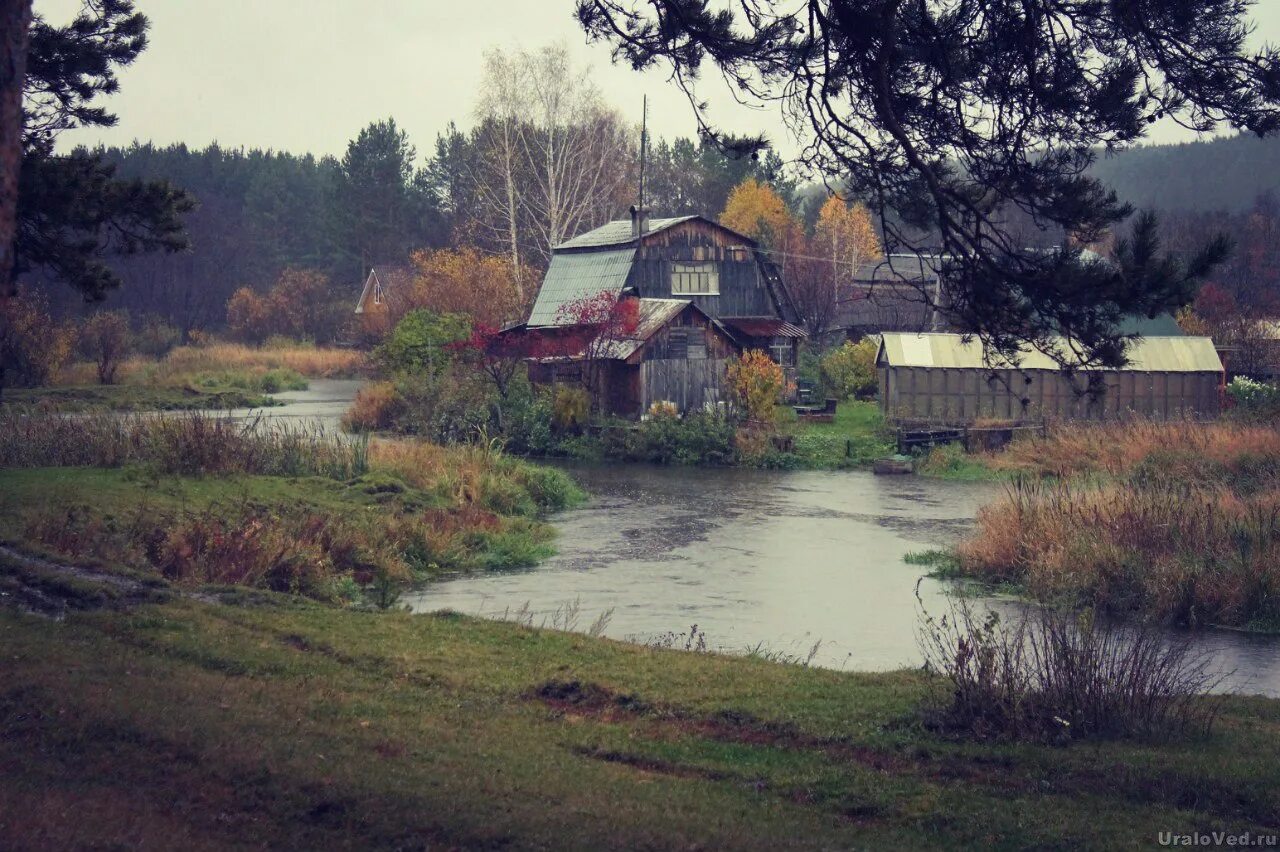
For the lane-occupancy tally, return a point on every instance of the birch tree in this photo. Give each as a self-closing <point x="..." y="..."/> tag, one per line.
<point x="502" y="94"/>
<point x="555" y="160"/>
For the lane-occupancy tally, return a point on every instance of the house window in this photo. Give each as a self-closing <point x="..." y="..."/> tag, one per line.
<point x="377" y="294"/>
<point x="695" y="279"/>
<point x="782" y="351"/>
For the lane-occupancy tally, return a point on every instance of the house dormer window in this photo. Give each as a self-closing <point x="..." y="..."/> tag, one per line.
<point x="695" y="279"/>
<point x="377" y="294"/>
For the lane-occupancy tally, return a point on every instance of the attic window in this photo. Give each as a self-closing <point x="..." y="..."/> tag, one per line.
<point x="377" y="294"/>
<point x="695" y="279"/>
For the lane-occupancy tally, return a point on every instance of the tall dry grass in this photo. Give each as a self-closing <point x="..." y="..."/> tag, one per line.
<point x="1116" y="449"/>
<point x="184" y="362"/>
<point x="476" y="475"/>
<point x="1182" y="551"/>
<point x="188" y="444"/>
<point x="310" y="361"/>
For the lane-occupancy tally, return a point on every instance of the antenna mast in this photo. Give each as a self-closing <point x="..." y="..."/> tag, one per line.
<point x="644" y="138"/>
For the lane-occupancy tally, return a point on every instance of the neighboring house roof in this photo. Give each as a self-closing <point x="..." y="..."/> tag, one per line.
<point x="387" y="280"/>
<point x="618" y="233"/>
<point x="885" y="306"/>
<point x="568" y="343"/>
<point x="911" y="268"/>
<point x="1149" y="354"/>
<point x="1161" y="325"/>
<point x="763" y="327"/>
<point x="572" y="277"/>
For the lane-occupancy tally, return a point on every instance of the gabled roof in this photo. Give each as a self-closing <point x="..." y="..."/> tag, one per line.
<point x="569" y="342"/>
<point x="390" y="278"/>
<point x="572" y="277"/>
<point x="1147" y="354"/>
<point x="764" y="327"/>
<point x="618" y="233"/>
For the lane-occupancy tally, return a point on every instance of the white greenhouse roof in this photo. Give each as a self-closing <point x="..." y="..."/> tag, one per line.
<point x="1147" y="354"/>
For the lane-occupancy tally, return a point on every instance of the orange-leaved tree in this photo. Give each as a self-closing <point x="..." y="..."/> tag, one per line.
<point x="301" y="304"/>
<point x="756" y="210"/>
<point x="466" y="281"/>
<point x="843" y="239"/>
<point x="756" y="385"/>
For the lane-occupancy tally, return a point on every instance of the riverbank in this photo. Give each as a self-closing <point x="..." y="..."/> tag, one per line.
<point x="1179" y="522"/>
<point x="213" y="376"/>
<point x="267" y="720"/>
<point x="194" y="500"/>
<point x="855" y="438"/>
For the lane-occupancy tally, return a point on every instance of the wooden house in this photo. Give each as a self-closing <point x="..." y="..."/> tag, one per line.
<point x="705" y="292"/>
<point x="676" y="353"/>
<point x="381" y="299"/>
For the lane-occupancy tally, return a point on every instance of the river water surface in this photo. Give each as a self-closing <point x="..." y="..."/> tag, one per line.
<point x="783" y="561"/>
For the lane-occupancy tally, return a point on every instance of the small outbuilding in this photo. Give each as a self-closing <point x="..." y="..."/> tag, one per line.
<point x="676" y="353"/>
<point x="945" y="379"/>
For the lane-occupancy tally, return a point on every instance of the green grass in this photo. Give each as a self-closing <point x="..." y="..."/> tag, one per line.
<point x="278" y="724"/>
<point x="856" y="437"/>
<point x="120" y="499"/>
<point x="132" y="397"/>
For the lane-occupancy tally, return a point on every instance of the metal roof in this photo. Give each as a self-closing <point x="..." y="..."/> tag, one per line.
<point x="764" y="327"/>
<point x="578" y="276"/>
<point x="618" y="233"/>
<point x="1147" y="354"/>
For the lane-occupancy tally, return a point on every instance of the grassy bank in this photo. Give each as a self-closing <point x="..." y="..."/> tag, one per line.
<point x="198" y="500"/>
<point x="1179" y="522"/>
<point x="211" y="376"/>
<point x="855" y="438"/>
<point x="278" y="723"/>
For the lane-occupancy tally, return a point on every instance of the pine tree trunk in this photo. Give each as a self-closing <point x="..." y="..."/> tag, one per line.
<point x="15" y="27"/>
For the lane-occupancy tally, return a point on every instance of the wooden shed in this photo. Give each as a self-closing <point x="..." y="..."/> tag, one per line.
<point x="944" y="379"/>
<point x="677" y="354"/>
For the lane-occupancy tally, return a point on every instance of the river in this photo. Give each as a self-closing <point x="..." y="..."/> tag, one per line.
<point x="781" y="561"/>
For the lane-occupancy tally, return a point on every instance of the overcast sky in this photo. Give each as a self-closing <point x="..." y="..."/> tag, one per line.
<point x="306" y="75"/>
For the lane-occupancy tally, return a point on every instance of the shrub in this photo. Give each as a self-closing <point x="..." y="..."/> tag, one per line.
<point x="33" y="347"/>
<point x="105" y="340"/>
<point x="1057" y="675"/>
<point x="1252" y="399"/>
<point x="527" y="421"/>
<point x="424" y="341"/>
<point x="663" y="408"/>
<point x="452" y="405"/>
<point x="570" y="407"/>
<point x="156" y="337"/>
<point x="849" y="372"/>
<point x="756" y="385"/>
<point x="377" y="406"/>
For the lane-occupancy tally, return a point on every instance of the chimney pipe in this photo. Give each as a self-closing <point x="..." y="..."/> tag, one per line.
<point x="639" y="222"/>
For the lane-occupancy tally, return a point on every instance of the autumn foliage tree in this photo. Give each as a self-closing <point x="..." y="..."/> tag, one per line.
<point x="105" y="339"/>
<point x="299" y="305"/>
<point x="756" y="384"/>
<point x="594" y="328"/>
<point x="466" y="281"/>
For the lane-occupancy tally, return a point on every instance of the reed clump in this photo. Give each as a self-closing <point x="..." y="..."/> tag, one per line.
<point x="1193" y="450"/>
<point x="314" y="362"/>
<point x="1184" y="552"/>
